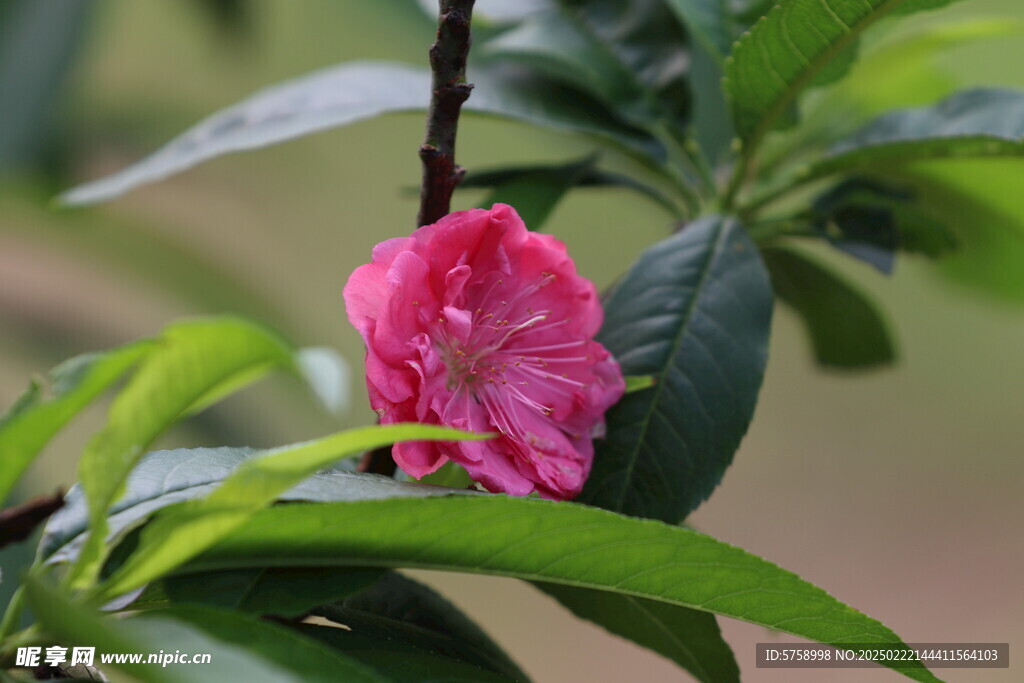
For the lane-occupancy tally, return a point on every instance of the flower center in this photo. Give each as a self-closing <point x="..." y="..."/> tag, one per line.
<point x="503" y="363"/>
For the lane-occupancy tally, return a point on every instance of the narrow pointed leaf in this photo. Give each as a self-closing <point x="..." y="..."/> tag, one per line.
<point x="694" y="312"/>
<point x="164" y="478"/>
<point x="539" y="540"/>
<point x="986" y="122"/>
<point x="797" y="44"/>
<point x="688" y="637"/>
<point x="35" y="418"/>
<point x="178" y="535"/>
<point x="630" y="56"/>
<point x="341" y="95"/>
<point x="286" y="592"/>
<point x="192" y="364"/>
<point x="76" y="625"/>
<point x="710" y="21"/>
<point x="398" y="608"/>
<point x="301" y="657"/>
<point x="846" y="329"/>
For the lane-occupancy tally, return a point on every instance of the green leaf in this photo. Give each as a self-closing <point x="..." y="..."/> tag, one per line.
<point x="536" y="192"/>
<point x="163" y="478"/>
<point x="286" y="592"/>
<point x="710" y="22"/>
<point x="639" y="382"/>
<point x="396" y="608"/>
<point x="540" y="540"/>
<point x="182" y="533"/>
<point x="192" y="364"/>
<point x="303" y="658"/>
<point x="870" y="220"/>
<point x="688" y="637"/>
<point x="581" y="172"/>
<point x="694" y="312"/>
<point x="790" y="49"/>
<point x="34" y="419"/>
<point x="398" y="661"/>
<point x="980" y="200"/>
<point x="348" y="93"/>
<point x="39" y="40"/>
<point x="451" y="475"/>
<point x="631" y="56"/>
<point x="847" y="330"/>
<point x="986" y="122"/>
<point x="75" y="625"/>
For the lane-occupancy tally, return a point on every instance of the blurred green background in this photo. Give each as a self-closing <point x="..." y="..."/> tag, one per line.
<point x="899" y="490"/>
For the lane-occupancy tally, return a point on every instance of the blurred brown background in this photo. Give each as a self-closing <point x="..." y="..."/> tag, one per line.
<point x="899" y="491"/>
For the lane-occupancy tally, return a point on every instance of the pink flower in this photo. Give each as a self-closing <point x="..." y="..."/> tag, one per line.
<point x="476" y="323"/>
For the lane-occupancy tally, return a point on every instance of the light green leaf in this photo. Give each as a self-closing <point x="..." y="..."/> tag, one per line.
<point x="788" y="50"/>
<point x="539" y="540"/>
<point x="177" y="536"/>
<point x="341" y="95"/>
<point x="34" y="419"/>
<point x="688" y="637"/>
<point x="694" y="312"/>
<point x="986" y="122"/>
<point x="74" y="624"/>
<point x="192" y="364"/>
<point x="639" y="382"/>
<point x="980" y="199"/>
<point x="846" y="328"/>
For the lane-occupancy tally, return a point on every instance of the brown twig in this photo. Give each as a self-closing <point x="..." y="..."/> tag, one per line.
<point x="441" y="174"/>
<point x="17" y="523"/>
<point x="448" y="57"/>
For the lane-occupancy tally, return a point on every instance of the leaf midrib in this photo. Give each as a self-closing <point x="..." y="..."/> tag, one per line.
<point x="659" y="385"/>
<point x="797" y="85"/>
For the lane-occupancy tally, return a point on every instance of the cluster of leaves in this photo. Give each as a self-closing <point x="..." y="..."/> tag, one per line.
<point x="690" y="93"/>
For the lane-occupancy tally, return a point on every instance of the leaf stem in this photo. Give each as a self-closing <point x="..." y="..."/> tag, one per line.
<point x="448" y="57"/>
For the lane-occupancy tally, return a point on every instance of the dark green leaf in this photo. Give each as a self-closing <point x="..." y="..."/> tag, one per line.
<point x="306" y="659"/>
<point x="348" y="93"/>
<point x="631" y="56"/>
<point x="846" y="329"/>
<point x="396" y="608"/>
<point x="398" y="661"/>
<point x="74" y="625"/>
<point x="535" y="193"/>
<point x="34" y="419"/>
<point x="552" y="542"/>
<point x="710" y="21"/>
<point x="870" y="220"/>
<point x="183" y="532"/>
<point x="280" y="591"/>
<point x="688" y="637"/>
<point x="976" y="123"/>
<point x="695" y="312"/>
<point x="585" y="177"/>
<point x="39" y="40"/>
<point x="163" y="478"/>
<point x="789" y="50"/>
